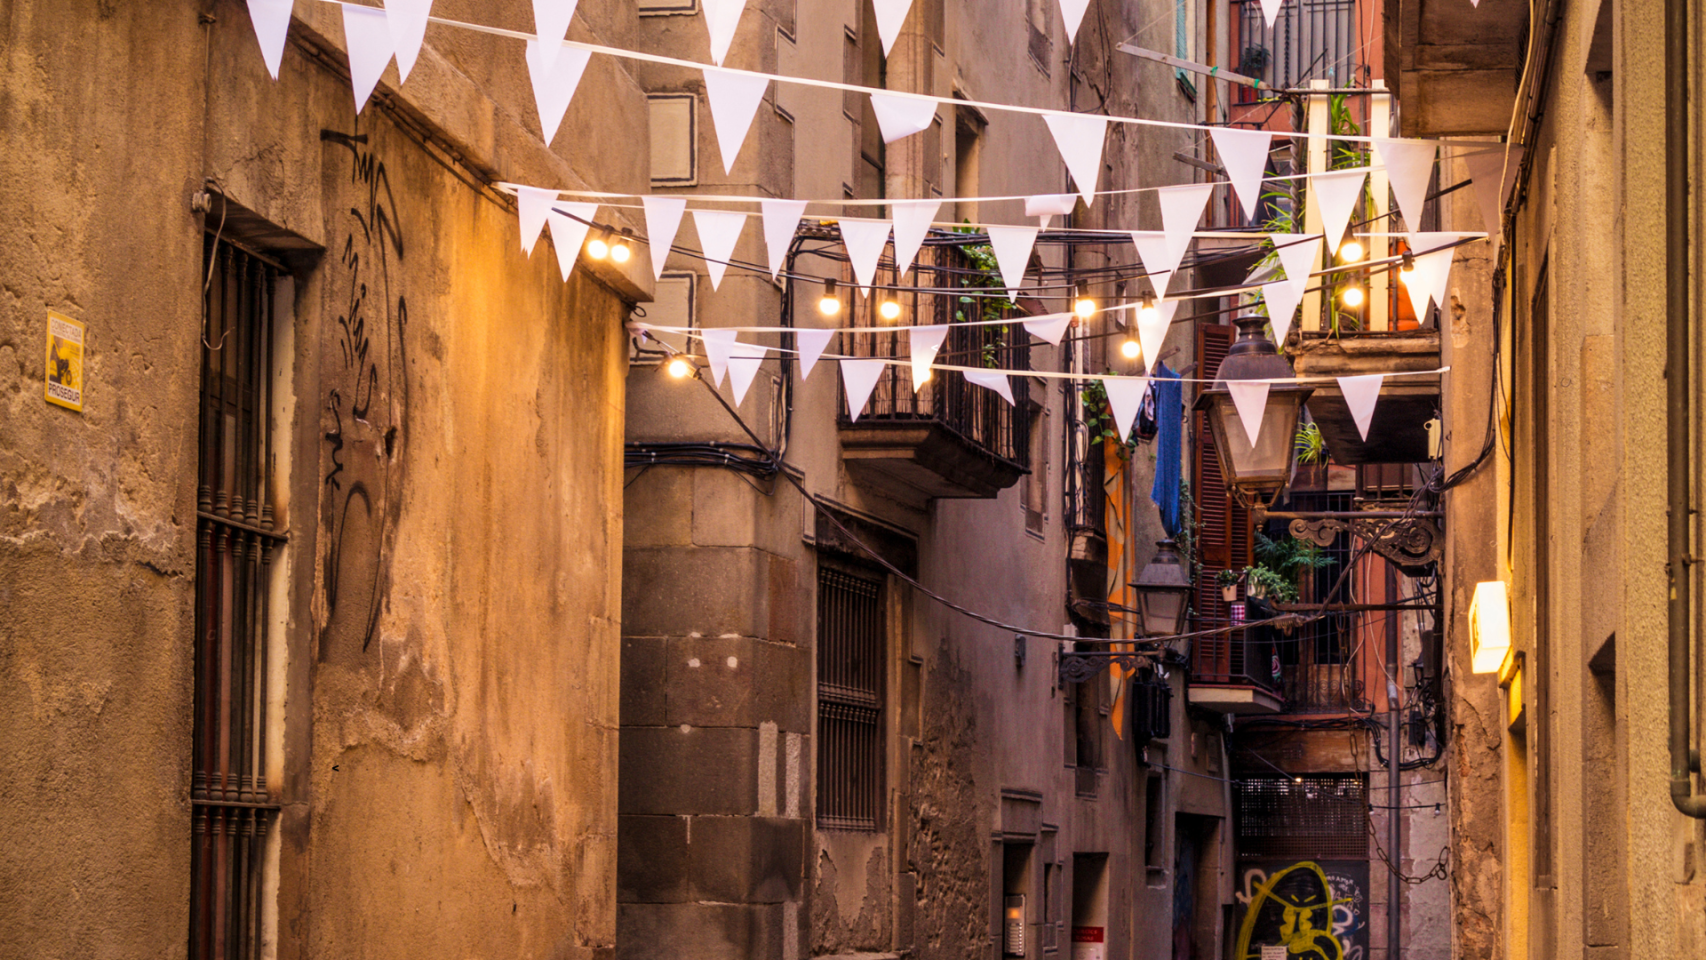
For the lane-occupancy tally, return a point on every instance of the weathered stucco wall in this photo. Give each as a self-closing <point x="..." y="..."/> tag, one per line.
<point x="449" y="704"/>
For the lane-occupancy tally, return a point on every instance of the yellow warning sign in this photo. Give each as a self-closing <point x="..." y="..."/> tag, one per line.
<point x="64" y="361"/>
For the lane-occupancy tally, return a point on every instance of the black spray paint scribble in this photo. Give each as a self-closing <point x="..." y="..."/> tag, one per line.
<point x="366" y="402"/>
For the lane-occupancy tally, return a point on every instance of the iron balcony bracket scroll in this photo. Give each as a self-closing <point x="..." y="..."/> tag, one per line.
<point x="1411" y="540"/>
<point x="1079" y="666"/>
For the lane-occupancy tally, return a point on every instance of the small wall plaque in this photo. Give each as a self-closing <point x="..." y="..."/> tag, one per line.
<point x="64" y="362"/>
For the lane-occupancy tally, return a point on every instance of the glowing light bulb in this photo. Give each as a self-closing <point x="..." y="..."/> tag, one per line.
<point x="1083" y="306"/>
<point x="598" y="248"/>
<point x="1148" y="313"/>
<point x="1352" y="297"/>
<point x="1405" y="274"/>
<point x="890" y="310"/>
<point x="1351" y="251"/>
<point x="830" y="303"/>
<point x="680" y="367"/>
<point x="1131" y="349"/>
<point x="621" y="252"/>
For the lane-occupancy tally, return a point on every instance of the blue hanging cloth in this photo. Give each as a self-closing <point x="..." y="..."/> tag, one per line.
<point x="1169" y="428"/>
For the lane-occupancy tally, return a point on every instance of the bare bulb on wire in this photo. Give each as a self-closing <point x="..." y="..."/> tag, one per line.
<point x="598" y="247"/>
<point x="622" y="251"/>
<point x="1148" y="313"/>
<point x="830" y="303"/>
<point x="890" y="310"/>
<point x="680" y="367"/>
<point x="1351" y="297"/>
<point x="1131" y="350"/>
<point x="1082" y="305"/>
<point x="1351" y="251"/>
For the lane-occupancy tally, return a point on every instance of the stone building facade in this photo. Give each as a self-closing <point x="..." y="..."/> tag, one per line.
<point x="1565" y="840"/>
<point x="785" y="792"/>
<point x="375" y="559"/>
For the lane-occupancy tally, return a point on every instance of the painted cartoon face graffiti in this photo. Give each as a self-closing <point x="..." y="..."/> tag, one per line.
<point x="366" y="402"/>
<point x="1303" y="909"/>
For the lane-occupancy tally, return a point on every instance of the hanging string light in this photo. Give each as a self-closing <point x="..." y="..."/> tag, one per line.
<point x="623" y="249"/>
<point x="1351" y="296"/>
<point x="1351" y="251"/>
<point x="1131" y="349"/>
<point x="679" y="367"/>
<point x="1148" y="313"/>
<point x="889" y="310"/>
<point x="598" y="247"/>
<point x="830" y="303"/>
<point x="1082" y="305"/>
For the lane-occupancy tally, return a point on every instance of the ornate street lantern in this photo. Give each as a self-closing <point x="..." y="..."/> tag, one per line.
<point x="1163" y="593"/>
<point x="1255" y="472"/>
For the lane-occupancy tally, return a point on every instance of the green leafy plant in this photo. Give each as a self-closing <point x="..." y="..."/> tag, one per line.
<point x="1229" y="578"/>
<point x="1289" y="556"/>
<point x="1311" y="446"/>
<point x="1263" y="582"/>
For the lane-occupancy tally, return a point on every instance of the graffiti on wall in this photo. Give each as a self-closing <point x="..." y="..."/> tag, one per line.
<point x="366" y="397"/>
<point x="1318" y="911"/>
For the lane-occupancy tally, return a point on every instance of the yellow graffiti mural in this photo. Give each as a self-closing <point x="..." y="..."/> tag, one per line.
<point x="1301" y="934"/>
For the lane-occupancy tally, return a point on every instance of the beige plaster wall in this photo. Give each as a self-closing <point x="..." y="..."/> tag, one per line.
<point x="452" y="602"/>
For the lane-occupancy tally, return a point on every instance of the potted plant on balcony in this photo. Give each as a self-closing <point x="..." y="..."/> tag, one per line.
<point x="1228" y="580"/>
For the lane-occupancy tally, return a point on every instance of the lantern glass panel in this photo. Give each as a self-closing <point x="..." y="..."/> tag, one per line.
<point x="1161" y="610"/>
<point x="1267" y="464"/>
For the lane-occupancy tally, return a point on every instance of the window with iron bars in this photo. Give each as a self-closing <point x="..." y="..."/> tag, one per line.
<point x="851" y="661"/>
<point x="1314" y="817"/>
<point x="235" y="808"/>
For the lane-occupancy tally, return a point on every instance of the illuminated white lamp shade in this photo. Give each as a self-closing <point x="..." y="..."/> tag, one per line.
<point x="1489" y="627"/>
<point x="1258" y="469"/>
<point x="1164" y="592"/>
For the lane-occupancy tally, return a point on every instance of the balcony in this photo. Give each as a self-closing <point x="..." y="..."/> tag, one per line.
<point x="1233" y="673"/>
<point x="950" y="439"/>
<point x="1398" y="432"/>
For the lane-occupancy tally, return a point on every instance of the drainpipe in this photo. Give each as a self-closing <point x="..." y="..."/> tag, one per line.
<point x="1394" y="766"/>
<point x="1682" y="763"/>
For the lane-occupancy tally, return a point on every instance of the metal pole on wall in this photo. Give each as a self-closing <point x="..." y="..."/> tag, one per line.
<point x="1394" y="885"/>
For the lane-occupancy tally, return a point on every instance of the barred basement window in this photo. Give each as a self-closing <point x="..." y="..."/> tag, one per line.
<point x="1319" y="817"/>
<point x="235" y="808"/>
<point x="850" y="665"/>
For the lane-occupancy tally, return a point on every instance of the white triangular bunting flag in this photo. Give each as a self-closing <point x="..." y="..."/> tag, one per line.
<point x="1152" y="251"/>
<point x="1335" y="195"/>
<point x="555" y="75"/>
<point x="551" y="24"/>
<point x="1073" y="12"/>
<point x="272" y="21"/>
<point x="1361" y="394"/>
<point x="1440" y="273"/>
<point x="891" y="14"/>
<point x="1282" y="298"/>
<point x="1428" y="241"/>
<point x="1049" y="328"/>
<point x="1299" y="256"/>
<point x="1251" y="399"/>
<point x="719" y="231"/>
<point x="1152" y="331"/>
<point x="912" y="220"/>
<point x="1487" y="170"/>
<point x="991" y="380"/>
<point x="734" y="100"/>
<point x="744" y="361"/>
<point x="367" y="37"/>
<point x="1125" y="398"/>
<point x="925" y="342"/>
<point x="569" y="225"/>
<point x="865" y="240"/>
<point x="1079" y="137"/>
<point x="663" y="221"/>
<point x="1409" y="167"/>
<point x="1181" y="208"/>
<point x="900" y="116"/>
<point x="532" y="204"/>
<point x="811" y="343"/>
<point x="722" y="18"/>
<point x="1244" y="154"/>
<point x="408" y="23"/>
<point x="781" y="222"/>
<point x="718" y="345"/>
<point x="1271" y="10"/>
<point x="1050" y="204"/>
<point x="1012" y="246"/>
<point x="858" y="379"/>
<point x="1418" y="284"/>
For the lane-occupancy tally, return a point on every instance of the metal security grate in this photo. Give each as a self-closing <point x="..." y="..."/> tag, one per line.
<point x="1313" y="817"/>
<point x="850" y="664"/>
<point x="234" y="807"/>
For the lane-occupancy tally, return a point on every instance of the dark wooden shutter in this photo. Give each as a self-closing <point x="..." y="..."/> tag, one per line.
<point x="1223" y="530"/>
